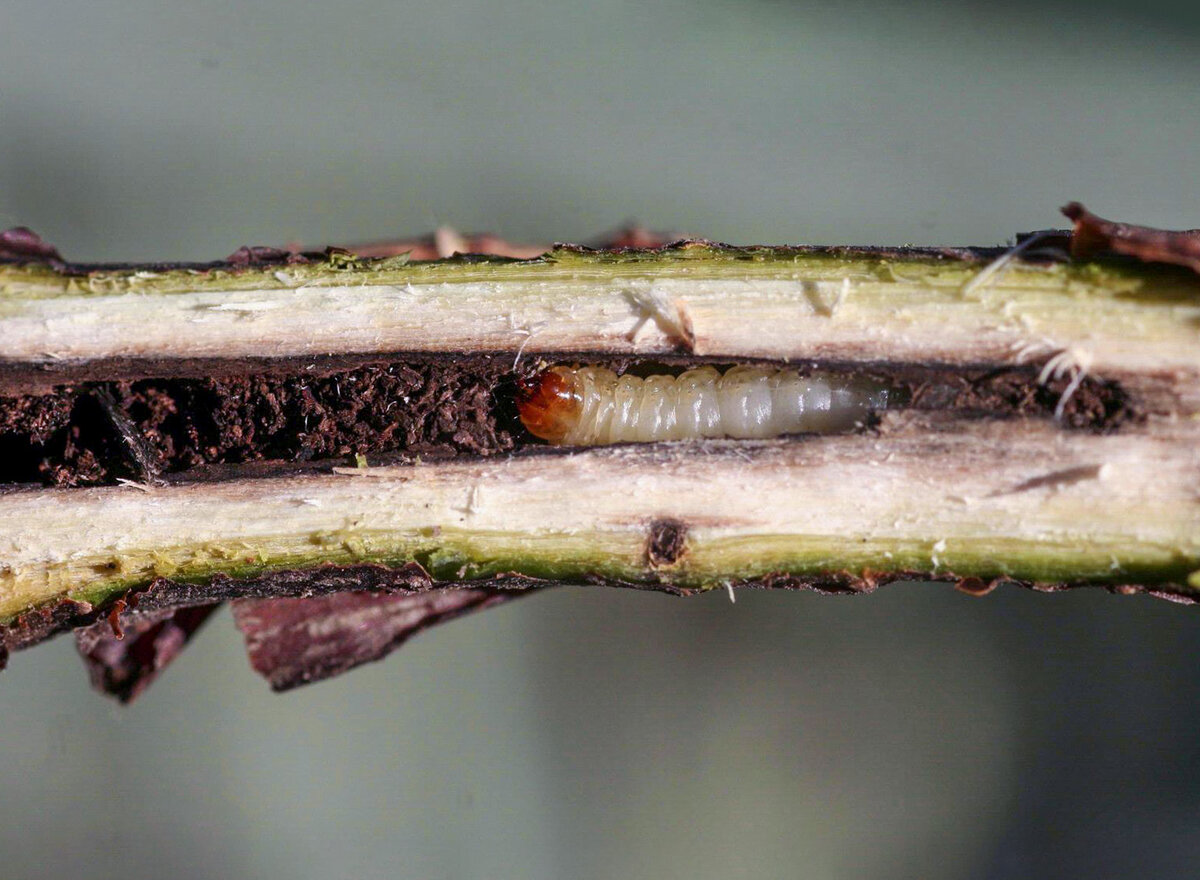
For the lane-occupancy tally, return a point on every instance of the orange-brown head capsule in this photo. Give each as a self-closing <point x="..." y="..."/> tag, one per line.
<point x="550" y="404"/>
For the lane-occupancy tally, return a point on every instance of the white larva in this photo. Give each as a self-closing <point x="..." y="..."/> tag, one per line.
<point x="589" y="406"/>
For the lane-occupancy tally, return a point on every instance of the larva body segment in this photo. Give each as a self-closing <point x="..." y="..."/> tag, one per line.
<point x="589" y="406"/>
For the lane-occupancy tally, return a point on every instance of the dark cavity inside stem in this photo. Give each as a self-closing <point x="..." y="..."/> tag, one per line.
<point x="197" y="419"/>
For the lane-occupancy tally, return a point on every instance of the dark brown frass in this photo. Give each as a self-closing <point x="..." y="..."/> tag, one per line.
<point x="78" y="434"/>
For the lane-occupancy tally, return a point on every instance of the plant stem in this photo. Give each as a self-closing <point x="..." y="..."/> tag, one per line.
<point x="968" y="495"/>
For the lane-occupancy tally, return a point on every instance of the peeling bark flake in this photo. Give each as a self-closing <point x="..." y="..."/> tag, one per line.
<point x="1094" y="235"/>
<point x="295" y="641"/>
<point x="127" y="650"/>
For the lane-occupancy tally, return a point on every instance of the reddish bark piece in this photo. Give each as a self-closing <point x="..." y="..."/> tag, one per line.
<point x="165" y="595"/>
<point x="21" y="243"/>
<point x="1094" y="235"/>
<point x="446" y="242"/>
<point x="296" y="641"/>
<point x="635" y="237"/>
<point x="974" y="586"/>
<point x="125" y="651"/>
<point x="38" y="624"/>
<point x="248" y="255"/>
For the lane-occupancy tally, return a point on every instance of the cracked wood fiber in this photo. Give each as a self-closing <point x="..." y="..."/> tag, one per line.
<point x="207" y="416"/>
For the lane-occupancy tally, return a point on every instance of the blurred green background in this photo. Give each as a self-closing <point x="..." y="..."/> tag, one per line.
<point x="596" y="734"/>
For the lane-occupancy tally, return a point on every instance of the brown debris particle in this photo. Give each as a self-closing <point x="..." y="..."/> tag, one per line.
<point x="296" y="641"/>
<point x="1094" y="236"/>
<point x="666" y="543"/>
<point x="114" y="619"/>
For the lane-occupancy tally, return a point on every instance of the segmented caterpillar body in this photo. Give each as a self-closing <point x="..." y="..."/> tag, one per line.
<point x="589" y="406"/>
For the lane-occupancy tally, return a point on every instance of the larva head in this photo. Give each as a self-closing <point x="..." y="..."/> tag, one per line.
<point x="550" y="404"/>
